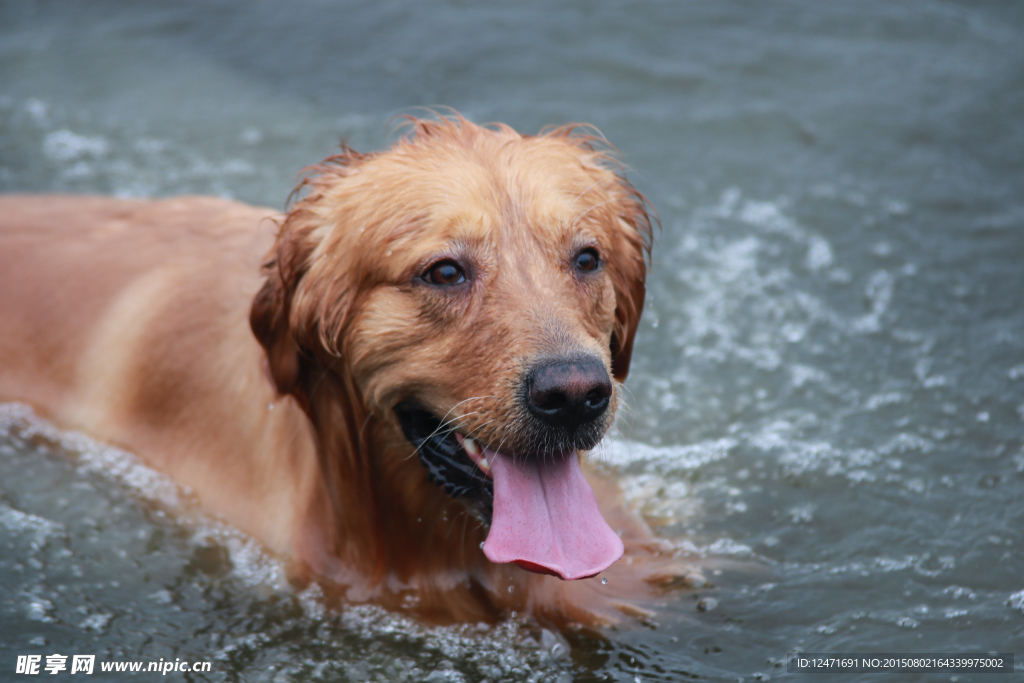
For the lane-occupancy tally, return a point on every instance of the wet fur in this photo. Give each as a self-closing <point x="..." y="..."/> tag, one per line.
<point x="266" y="384"/>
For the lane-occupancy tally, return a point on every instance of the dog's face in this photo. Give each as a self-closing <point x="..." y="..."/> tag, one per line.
<point x="480" y="291"/>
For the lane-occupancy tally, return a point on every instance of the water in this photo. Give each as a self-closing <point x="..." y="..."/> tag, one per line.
<point x="827" y="394"/>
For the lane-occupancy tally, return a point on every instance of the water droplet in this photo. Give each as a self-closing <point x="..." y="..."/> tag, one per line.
<point x="481" y="545"/>
<point x="604" y="581"/>
<point x="511" y="588"/>
<point x="707" y="604"/>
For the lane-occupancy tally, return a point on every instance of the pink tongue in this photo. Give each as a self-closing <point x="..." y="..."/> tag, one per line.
<point x="546" y="519"/>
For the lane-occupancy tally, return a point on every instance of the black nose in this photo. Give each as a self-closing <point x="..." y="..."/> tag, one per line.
<point x="569" y="393"/>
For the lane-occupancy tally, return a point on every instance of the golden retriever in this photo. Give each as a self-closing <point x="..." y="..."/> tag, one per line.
<point x="396" y="398"/>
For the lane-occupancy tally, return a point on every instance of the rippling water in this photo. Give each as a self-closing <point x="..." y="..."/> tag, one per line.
<point x="827" y="399"/>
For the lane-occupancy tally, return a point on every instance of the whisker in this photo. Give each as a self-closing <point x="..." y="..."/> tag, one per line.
<point x="476" y="430"/>
<point x="445" y="421"/>
<point x="447" y="426"/>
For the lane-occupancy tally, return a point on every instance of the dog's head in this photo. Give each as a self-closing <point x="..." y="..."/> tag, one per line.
<point x="477" y="291"/>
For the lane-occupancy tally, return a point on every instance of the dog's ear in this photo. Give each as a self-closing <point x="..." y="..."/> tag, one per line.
<point x="629" y="273"/>
<point x="268" y="318"/>
<point x="279" y="303"/>
<point x="271" y="311"/>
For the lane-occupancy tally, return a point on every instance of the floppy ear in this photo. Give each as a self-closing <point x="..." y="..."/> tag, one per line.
<point x="268" y="319"/>
<point x="628" y="271"/>
<point x="629" y="274"/>
<point x="290" y="350"/>
<point x="271" y="309"/>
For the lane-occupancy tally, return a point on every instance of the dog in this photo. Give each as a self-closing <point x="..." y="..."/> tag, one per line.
<point x="390" y="385"/>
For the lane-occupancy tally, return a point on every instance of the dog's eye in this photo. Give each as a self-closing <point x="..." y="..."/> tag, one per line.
<point x="445" y="273"/>
<point x="587" y="261"/>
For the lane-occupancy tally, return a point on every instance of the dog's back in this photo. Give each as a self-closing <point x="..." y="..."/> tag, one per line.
<point x="129" y="320"/>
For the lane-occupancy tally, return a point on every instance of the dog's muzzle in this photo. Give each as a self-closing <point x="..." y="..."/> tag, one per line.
<point x="541" y="512"/>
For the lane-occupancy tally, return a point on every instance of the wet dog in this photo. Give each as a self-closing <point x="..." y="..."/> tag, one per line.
<point x="397" y="397"/>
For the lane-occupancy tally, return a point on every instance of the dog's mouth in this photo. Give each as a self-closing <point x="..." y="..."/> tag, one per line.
<point x="541" y="511"/>
<point x="445" y="454"/>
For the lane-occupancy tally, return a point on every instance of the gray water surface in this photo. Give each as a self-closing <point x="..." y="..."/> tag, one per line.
<point x="826" y="406"/>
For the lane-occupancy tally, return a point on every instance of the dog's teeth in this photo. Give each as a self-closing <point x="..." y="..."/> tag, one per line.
<point x="470" y="446"/>
<point x="484" y="465"/>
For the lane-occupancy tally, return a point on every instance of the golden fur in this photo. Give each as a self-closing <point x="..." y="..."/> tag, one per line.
<point x="135" y="321"/>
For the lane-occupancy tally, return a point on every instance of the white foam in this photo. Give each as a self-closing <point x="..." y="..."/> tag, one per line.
<point x="39" y="609"/>
<point x="251" y="564"/>
<point x="802" y="514"/>
<point x="17" y="521"/>
<point x="819" y="253"/>
<point x="96" y="622"/>
<point x="887" y="399"/>
<point x="726" y="546"/>
<point x="769" y="216"/>
<point x="803" y="374"/>
<point x="878" y="292"/>
<point x="905" y="442"/>
<point x="95" y="457"/>
<point x="65" y="146"/>
<point x="622" y="453"/>
<point x="40" y="529"/>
